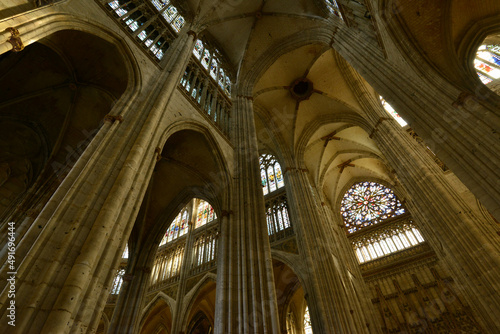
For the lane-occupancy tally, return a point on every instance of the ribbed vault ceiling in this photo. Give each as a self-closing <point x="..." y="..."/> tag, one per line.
<point x="335" y="152"/>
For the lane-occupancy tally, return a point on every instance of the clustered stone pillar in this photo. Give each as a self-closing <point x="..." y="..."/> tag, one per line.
<point x="67" y="254"/>
<point x="333" y="304"/>
<point x="461" y="127"/>
<point x="246" y="297"/>
<point x="461" y="238"/>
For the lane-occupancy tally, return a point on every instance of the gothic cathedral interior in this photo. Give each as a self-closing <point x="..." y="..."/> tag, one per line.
<point x="249" y="166"/>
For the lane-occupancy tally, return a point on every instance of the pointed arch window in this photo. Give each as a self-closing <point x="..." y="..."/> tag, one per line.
<point x="333" y="7"/>
<point x="270" y="173"/>
<point x="117" y="282"/>
<point x="177" y="228"/>
<point x="125" y="252"/>
<point x="205" y="214"/>
<point x="210" y="57"/>
<point x="307" y="322"/>
<point x="368" y="203"/>
<point x="487" y="63"/>
<point x="392" y="112"/>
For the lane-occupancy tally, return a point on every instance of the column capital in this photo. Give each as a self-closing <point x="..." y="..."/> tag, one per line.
<point x="192" y="33"/>
<point x="245" y="97"/>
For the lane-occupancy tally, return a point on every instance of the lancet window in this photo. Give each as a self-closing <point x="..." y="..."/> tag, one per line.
<point x="487" y="63"/>
<point x="207" y="82"/>
<point x="390" y="239"/>
<point x="392" y="112"/>
<point x="167" y="264"/>
<point x="125" y="252"/>
<point x="178" y="228"/>
<point x="205" y="214"/>
<point x="205" y="250"/>
<point x="334" y="8"/>
<point x="270" y="174"/>
<point x="307" y="322"/>
<point x="117" y="282"/>
<point x="152" y="24"/>
<point x="277" y="217"/>
<point x="197" y="246"/>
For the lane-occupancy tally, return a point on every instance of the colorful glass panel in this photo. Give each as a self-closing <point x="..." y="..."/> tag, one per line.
<point x="213" y="68"/>
<point x="333" y="7"/>
<point x="206" y="58"/>
<point x="307" y="322"/>
<point x="279" y="176"/>
<point x="270" y="173"/>
<point x="264" y="181"/>
<point x="170" y="13"/>
<point x="392" y="112"/>
<point x="160" y="4"/>
<point x="368" y="203"/>
<point x="198" y="49"/>
<point x="178" y="23"/>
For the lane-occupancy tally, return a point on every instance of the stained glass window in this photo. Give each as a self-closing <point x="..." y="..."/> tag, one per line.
<point x="167" y="264"/>
<point x="160" y="4"/>
<point x="205" y="214"/>
<point x="206" y="58"/>
<point x="368" y="203"/>
<point x="307" y="322"/>
<point x="198" y="49"/>
<point x="487" y="63"/>
<point x="392" y="112"/>
<point x="390" y="239"/>
<point x="205" y="249"/>
<point x="125" y="253"/>
<point x="277" y="216"/>
<point x="117" y="282"/>
<point x="170" y="13"/>
<point x="178" y="23"/>
<point x="333" y="7"/>
<point x="178" y="228"/>
<point x="271" y="175"/>
<point x="213" y="68"/>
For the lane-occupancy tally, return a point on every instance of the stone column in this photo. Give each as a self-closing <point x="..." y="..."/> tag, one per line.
<point x="246" y="297"/>
<point x="177" y="314"/>
<point x="64" y="273"/>
<point x="467" y="244"/>
<point x="462" y="127"/>
<point x="333" y="304"/>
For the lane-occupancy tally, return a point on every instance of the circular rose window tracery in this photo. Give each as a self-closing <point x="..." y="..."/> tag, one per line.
<point x="368" y="203"/>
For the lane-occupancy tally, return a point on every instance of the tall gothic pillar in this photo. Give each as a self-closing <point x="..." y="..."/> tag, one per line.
<point x="333" y="303"/>
<point x="461" y="238"/>
<point x="246" y="297"/>
<point x="68" y="252"/>
<point x="462" y="127"/>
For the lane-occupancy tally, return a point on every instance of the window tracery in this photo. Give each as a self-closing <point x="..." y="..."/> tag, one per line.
<point x="209" y="55"/>
<point x="334" y="8"/>
<point x="205" y="250"/>
<point x="487" y="63"/>
<point x="205" y="214"/>
<point x="178" y="228"/>
<point x="368" y="203"/>
<point x="117" y="282"/>
<point x="307" y="322"/>
<point x="271" y="175"/>
<point x="144" y="23"/>
<point x="387" y="240"/>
